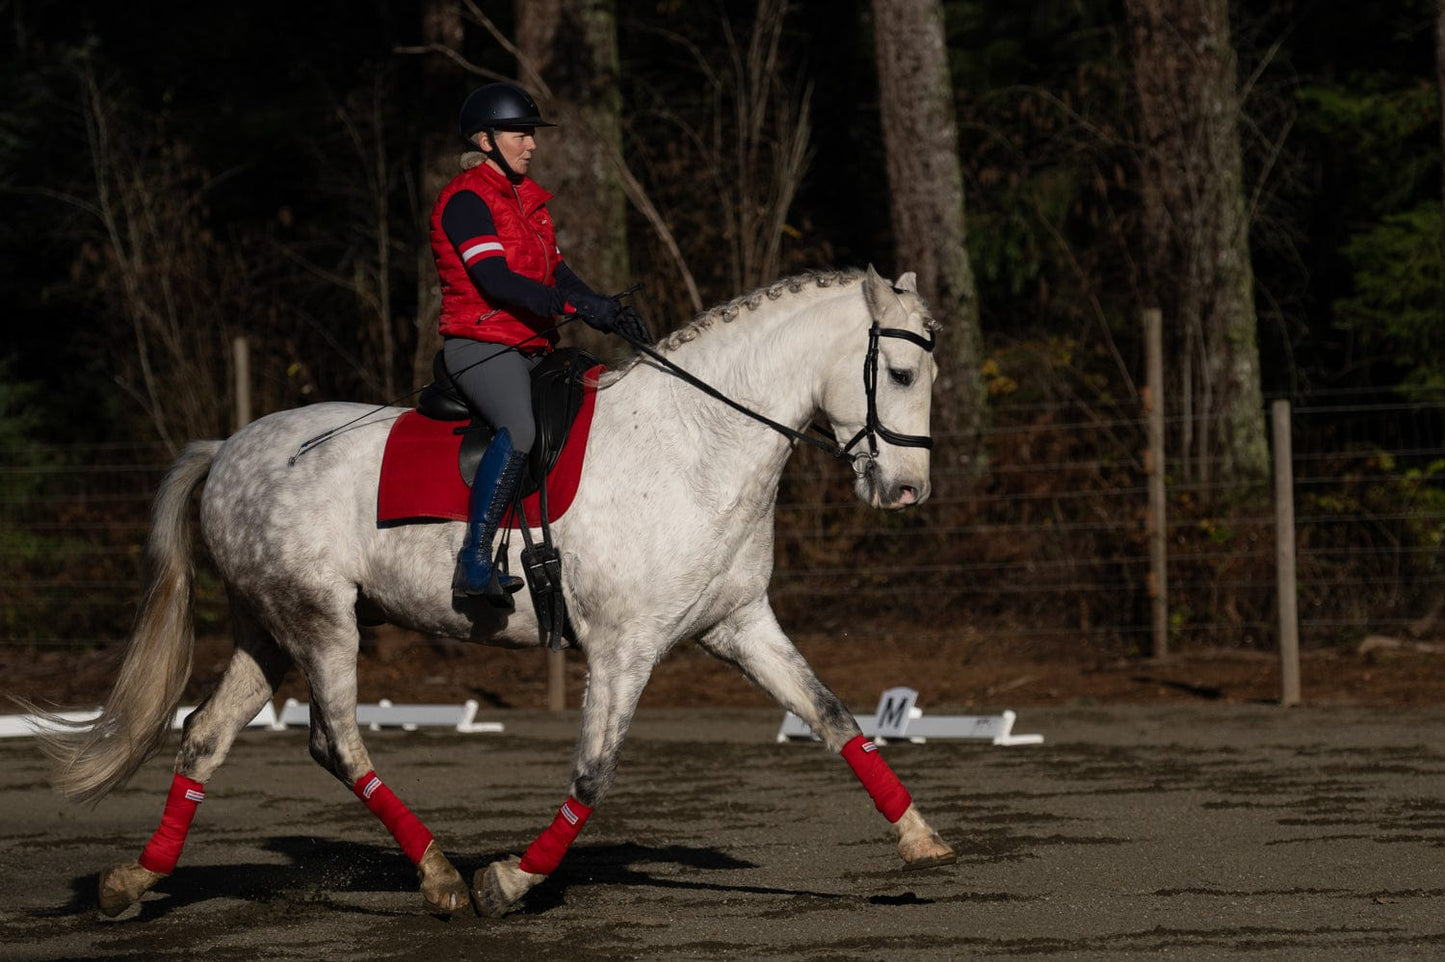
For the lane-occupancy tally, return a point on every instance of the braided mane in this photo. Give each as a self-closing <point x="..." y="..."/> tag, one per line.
<point x="725" y="313"/>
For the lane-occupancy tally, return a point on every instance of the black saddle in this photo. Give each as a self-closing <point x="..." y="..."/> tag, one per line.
<point x="556" y="399"/>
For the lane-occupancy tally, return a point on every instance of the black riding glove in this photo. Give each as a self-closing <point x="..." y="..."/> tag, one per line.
<point x="599" y="312"/>
<point x="630" y="326"/>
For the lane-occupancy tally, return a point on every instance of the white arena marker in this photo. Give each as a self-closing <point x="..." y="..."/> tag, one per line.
<point x="293" y="714"/>
<point x="265" y="718"/>
<point x="897" y="717"/>
<point x="25" y="726"/>
<point x="384" y="714"/>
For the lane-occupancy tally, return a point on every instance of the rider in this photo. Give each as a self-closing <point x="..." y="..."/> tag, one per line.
<point x="502" y="280"/>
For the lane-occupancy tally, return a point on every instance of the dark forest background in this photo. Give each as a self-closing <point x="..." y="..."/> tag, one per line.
<point x="265" y="132"/>
<point x="175" y="175"/>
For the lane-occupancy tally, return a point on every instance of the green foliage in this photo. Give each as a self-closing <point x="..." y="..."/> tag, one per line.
<point x="1042" y="98"/>
<point x="1342" y="241"/>
<point x="20" y="421"/>
<point x="1390" y="135"/>
<point x="22" y="476"/>
<point x="1398" y="304"/>
<point x="1379" y="529"/>
<point x="1009" y="251"/>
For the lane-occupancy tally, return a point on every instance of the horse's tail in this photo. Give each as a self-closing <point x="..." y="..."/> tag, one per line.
<point x="92" y="759"/>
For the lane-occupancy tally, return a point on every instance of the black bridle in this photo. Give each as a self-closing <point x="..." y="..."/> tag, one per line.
<point x="872" y="429"/>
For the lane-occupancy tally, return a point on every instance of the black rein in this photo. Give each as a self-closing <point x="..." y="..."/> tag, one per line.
<point x="872" y="428"/>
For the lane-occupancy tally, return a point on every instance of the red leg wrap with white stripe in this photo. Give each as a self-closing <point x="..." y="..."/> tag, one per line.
<point x="164" y="849"/>
<point x="545" y="854"/>
<point x="406" y="828"/>
<point x="886" y="790"/>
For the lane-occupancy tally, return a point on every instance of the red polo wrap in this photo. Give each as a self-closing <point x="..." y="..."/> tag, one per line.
<point x="164" y="849"/>
<point x="545" y="854"/>
<point x="406" y="828"/>
<point x="886" y="790"/>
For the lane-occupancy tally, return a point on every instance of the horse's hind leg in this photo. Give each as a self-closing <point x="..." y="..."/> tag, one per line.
<point x="753" y="640"/>
<point x="330" y="667"/>
<point x="256" y="669"/>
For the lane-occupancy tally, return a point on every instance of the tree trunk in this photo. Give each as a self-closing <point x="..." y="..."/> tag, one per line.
<point x="441" y="24"/>
<point x="925" y="182"/>
<point x="1195" y="244"/>
<point x="572" y="47"/>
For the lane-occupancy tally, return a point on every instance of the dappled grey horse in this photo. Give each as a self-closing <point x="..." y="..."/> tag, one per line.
<point x="673" y="540"/>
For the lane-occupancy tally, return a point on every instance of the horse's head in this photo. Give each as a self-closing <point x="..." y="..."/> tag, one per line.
<point x="879" y="394"/>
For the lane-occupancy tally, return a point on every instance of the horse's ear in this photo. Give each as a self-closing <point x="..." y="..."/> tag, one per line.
<point x="907" y="282"/>
<point x="874" y="287"/>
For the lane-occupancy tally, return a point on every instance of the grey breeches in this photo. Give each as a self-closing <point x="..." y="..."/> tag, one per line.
<point x="497" y="381"/>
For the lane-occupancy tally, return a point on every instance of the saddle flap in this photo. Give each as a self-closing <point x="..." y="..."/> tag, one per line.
<point x="557" y="394"/>
<point x="557" y="389"/>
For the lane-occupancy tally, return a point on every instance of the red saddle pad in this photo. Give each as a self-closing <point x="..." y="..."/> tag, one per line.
<point x="420" y="478"/>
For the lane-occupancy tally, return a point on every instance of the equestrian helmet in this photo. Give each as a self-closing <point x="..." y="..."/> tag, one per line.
<point x="498" y="106"/>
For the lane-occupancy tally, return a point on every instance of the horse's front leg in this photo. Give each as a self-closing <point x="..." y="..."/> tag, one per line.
<point x="753" y="640"/>
<point x="614" y="683"/>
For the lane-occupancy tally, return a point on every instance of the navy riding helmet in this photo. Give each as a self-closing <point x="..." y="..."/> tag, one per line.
<point x="498" y="106"/>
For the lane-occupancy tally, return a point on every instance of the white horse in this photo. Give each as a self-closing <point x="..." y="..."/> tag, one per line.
<point x="670" y="537"/>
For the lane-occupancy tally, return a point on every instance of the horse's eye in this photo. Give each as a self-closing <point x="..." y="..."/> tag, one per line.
<point x="900" y="377"/>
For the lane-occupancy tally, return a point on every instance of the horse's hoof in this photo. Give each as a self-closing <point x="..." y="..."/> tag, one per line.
<point x="441" y="885"/>
<point x="918" y="844"/>
<point x="122" y="885"/>
<point x="933" y="861"/>
<point x="929" y="851"/>
<point x="497" y="889"/>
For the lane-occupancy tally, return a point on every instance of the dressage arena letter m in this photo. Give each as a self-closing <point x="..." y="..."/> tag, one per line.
<point x="895" y="710"/>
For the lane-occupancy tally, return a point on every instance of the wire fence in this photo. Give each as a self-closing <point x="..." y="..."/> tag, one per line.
<point x="1049" y="546"/>
<point x="1046" y="546"/>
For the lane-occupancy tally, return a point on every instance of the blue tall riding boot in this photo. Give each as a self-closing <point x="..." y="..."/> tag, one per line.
<point x="492" y="490"/>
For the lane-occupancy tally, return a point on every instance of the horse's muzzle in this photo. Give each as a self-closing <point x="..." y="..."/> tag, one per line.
<point x="878" y="491"/>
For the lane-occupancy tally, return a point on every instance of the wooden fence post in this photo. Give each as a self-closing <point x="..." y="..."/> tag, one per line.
<point x="1155" y="527"/>
<point x="556" y="681"/>
<point x="241" y="361"/>
<point x="1284" y="550"/>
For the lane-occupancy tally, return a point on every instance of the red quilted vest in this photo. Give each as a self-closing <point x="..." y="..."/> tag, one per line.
<point x="529" y="244"/>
